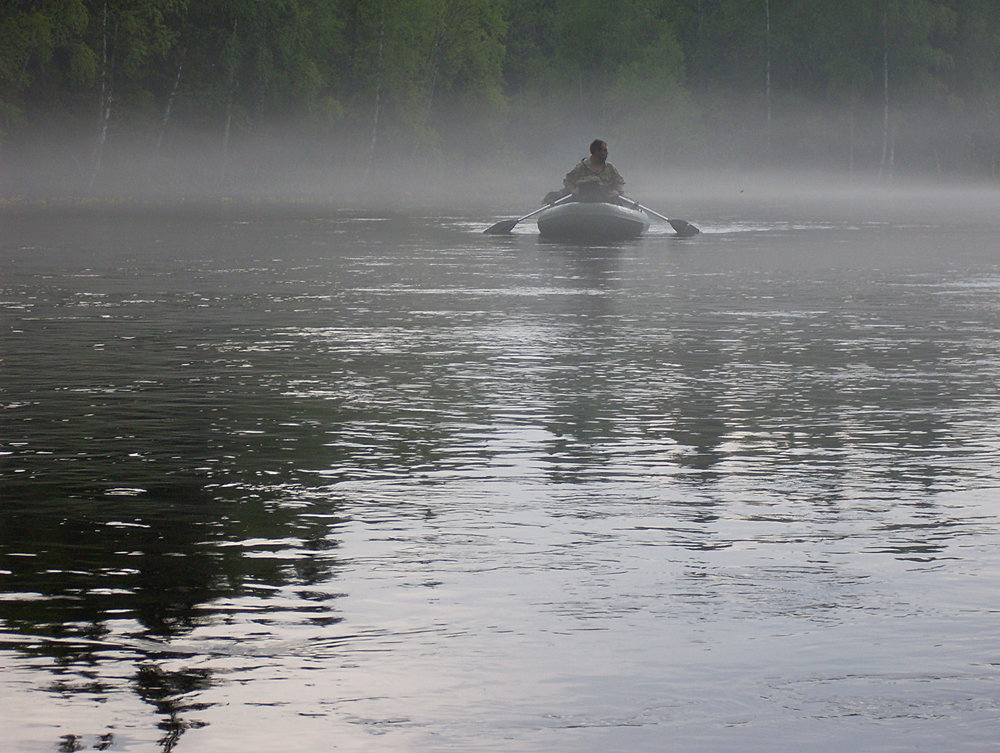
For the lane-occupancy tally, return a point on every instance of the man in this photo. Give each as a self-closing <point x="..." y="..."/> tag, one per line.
<point x="595" y="179"/>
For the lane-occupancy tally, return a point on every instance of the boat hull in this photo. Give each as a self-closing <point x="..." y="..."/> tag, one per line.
<point x="591" y="221"/>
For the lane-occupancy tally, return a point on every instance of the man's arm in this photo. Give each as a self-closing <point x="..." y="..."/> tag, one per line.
<point x="617" y="183"/>
<point x="572" y="179"/>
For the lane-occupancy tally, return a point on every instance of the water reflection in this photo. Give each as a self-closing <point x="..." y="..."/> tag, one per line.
<point x="620" y="433"/>
<point x="166" y="692"/>
<point x="117" y="577"/>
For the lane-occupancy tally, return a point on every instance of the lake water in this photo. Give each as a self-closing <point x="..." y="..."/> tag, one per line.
<point x="276" y="478"/>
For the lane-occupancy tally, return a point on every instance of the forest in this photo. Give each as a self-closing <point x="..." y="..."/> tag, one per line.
<point x="223" y="93"/>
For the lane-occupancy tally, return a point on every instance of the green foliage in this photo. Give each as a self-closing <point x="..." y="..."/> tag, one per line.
<point x="32" y="34"/>
<point x="468" y="76"/>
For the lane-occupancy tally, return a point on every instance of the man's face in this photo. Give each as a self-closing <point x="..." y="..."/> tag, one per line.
<point x="601" y="154"/>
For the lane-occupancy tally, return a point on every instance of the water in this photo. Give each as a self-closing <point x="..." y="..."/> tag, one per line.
<point x="277" y="479"/>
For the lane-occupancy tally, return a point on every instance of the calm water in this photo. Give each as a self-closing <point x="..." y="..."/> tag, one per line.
<point x="287" y="480"/>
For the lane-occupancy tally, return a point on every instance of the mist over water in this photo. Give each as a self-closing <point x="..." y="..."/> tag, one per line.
<point x="343" y="471"/>
<point x="283" y="162"/>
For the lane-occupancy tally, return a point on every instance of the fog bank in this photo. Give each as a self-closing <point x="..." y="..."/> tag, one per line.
<point x="683" y="172"/>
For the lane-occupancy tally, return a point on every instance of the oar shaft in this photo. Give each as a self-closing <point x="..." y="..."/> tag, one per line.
<point x="683" y="228"/>
<point x="646" y="209"/>
<point x="505" y="226"/>
<point x="540" y="209"/>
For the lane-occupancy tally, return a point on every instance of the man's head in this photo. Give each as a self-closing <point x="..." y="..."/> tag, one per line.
<point x="598" y="151"/>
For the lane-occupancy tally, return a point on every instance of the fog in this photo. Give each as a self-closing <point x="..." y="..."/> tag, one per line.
<point x="802" y="156"/>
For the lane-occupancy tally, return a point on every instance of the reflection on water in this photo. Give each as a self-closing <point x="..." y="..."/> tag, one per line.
<point x="418" y="488"/>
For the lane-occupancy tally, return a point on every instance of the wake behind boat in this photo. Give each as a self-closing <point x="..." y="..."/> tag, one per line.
<point x="591" y="221"/>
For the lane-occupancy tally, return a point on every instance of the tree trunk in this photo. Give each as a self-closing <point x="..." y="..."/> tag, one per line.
<point x="850" y="160"/>
<point x="170" y="103"/>
<point x="435" y="56"/>
<point x="104" y="113"/>
<point x="227" y="129"/>
<point x="378" y="97"/>
<point x="767" y="74"/>
<point x="884" y="170"/>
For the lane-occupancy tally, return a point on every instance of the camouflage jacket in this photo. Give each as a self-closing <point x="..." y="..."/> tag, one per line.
<point x="607" y="179"/>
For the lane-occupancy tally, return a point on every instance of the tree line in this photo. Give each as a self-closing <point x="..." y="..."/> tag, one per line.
<point x="874" y="86"/>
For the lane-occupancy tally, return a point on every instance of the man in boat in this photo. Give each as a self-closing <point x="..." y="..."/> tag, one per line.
<point x="594" y="178"/>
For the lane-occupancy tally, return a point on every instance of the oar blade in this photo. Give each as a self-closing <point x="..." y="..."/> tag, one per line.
<point x="683" y="228"/>
<point x="505" y="226"/>
<point x="501" y="228"/>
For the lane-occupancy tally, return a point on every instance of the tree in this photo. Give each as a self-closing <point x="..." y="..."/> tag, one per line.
<point x="41" y="56"/>
<point x="837" y="80"/>
<point x="130" y="37"/>
<point x="974" y="83"/>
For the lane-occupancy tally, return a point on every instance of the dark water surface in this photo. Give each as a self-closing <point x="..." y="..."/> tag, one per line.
<point x="284" y="480"/>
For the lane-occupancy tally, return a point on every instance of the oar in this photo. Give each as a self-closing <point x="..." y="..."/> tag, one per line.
<point x="683" y="228"/>
<point x="505" y="226"/>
